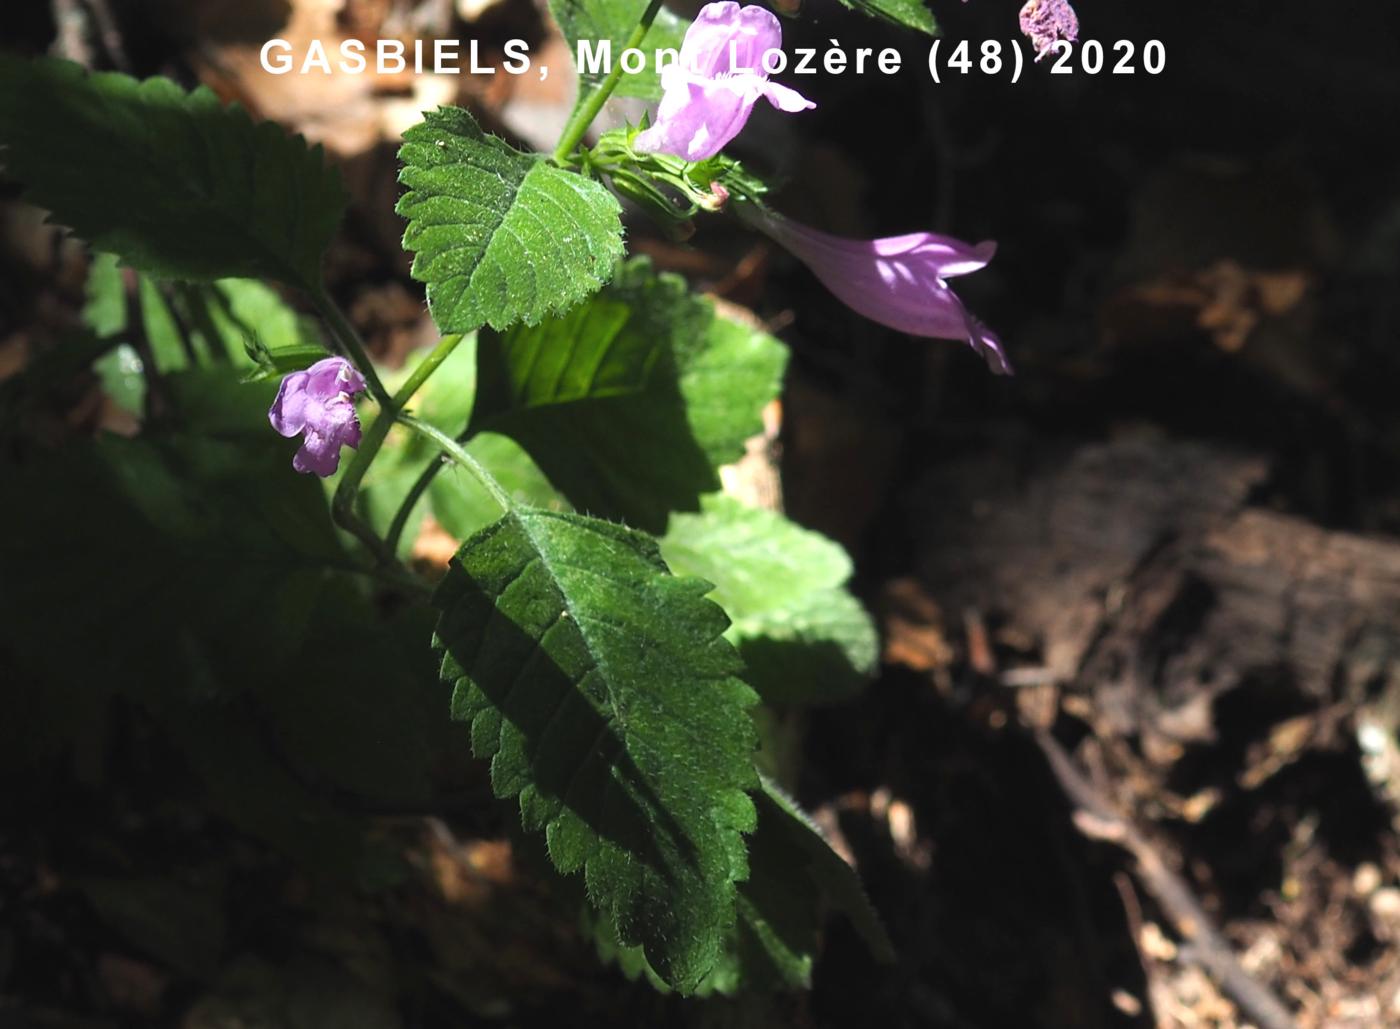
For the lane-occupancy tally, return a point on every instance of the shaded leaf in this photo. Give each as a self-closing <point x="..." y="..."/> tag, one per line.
<point x="837" y="880"/>
<point x="630" y="401"/>
<point x="175" y="184"/>
<point x="602" y="691"/>
<point x="205" y="580"/>
<point x="804" y="638"/>
<point x="463" y="508"/>
<point x="777" y="937"/>
<point x="455" y="499"/>
<point x="912" y="14"/>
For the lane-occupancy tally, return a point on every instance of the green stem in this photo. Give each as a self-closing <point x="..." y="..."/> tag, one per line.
<point x="343" y="505"/>
<point x="458" y="453"/>
<point x="385" y="552"/>
<point x="426" y="367"/>
<point x="349" y="341"/>
<point x="588" y="109"/>
<point x="410" y="500"/>
<point x="420" y="375"/>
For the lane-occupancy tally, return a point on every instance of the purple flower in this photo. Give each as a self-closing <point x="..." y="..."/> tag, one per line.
<point x="1046" y="22"/>
<point x="899" y="281"/>
<point x="318" y="402"/>
<point x="710" y="91"/>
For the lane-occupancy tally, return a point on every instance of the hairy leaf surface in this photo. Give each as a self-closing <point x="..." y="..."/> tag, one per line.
<point x="630" y="401"/>
<point x="803" y="636"/>
<point x="602" y="691"/>
<point x="794" y="874"/>
<point x="175" y="184"/>
<point x="500" y="236"/>
<point x="837" y="880"/>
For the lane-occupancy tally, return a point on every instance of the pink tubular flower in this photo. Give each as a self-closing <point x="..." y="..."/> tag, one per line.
<point x="1046" y="22"/>
<point x="318" y="402"/>
<point x="710" y="91"/>
<point x="899" y="281"/>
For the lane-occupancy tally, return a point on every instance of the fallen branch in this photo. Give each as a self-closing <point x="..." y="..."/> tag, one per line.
<point x="1095" y="818"/>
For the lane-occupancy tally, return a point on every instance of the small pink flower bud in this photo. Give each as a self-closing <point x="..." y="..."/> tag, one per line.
<point x="717" y="199"/>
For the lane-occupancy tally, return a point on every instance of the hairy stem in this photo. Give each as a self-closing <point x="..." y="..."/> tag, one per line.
<point x="420" y="375"/>
<point x="349" y="342"/>
<point x="426" y="367"/>
<point x="410" y="500"/>
<point x="343" y="505"/>
<point x="589" y="107"/>
<point x="458" y="453"/>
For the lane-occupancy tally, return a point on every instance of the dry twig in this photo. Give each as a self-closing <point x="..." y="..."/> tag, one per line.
<point x="1209" y="948"/>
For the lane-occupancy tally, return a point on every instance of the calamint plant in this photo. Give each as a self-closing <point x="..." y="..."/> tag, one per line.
<point x="618" y="638"/>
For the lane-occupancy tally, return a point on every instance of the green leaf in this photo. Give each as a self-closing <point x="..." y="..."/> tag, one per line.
<point x="603" y="692"/>
<point x="596" y="21"/>
<point x="123" y="377"/>
<point x="500" y="236"/>
<point x="456" y="499"/>
<point x="462" y="507"/>
<point x="238" y="317"/>
<point x="630" y="401"/>
<point x="206" y="580"/>
<point x="837" y="880"/>
<point x="804" y="638"/>
<point x="231" y="320"/>
<point x="104" y="309"/>
<point x="793" y="875"/>
<point x="175" y="184"/>
<point x="912" y="14"/>
<point x="168" y="343"/>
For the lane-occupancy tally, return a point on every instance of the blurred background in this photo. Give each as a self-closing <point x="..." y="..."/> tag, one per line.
<point x="1132" y="757"/>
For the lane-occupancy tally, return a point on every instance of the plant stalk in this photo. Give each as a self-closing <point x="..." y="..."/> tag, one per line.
<point x="343" y="504"/>
<point x="588" y="108"/>
<point x="410" y="500"/>
<point x="426" y="367"/>
<point x="349" y="341"/>
<point x="420" y="375"/>
<point x="458" y="453"/>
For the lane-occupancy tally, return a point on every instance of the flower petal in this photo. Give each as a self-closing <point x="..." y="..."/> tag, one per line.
<point x="751" y="30"/>
<point x="948" y="256"/>
<point x="319" y="402"/>
<point x="288" y="411"/>
<point x="333" y="375"/>
<point x="696" y="120"/>
<point x="785" y="98"/>
<point x="897" y="281"/>
<point x="319" y="455"/>
<point x="709" y="93"/>
<point x="987" y="343"/>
